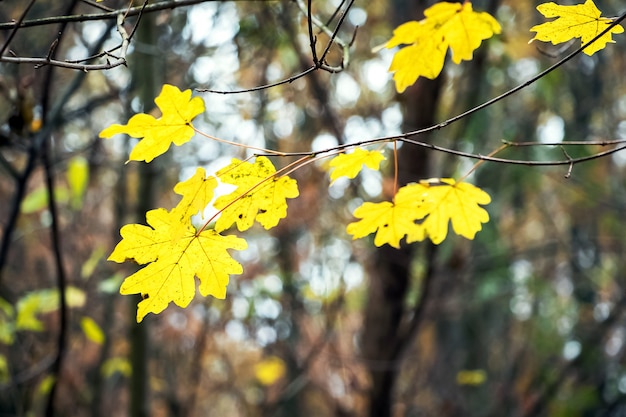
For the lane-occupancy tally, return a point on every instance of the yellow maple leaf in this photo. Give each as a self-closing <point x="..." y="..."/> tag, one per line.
<point x="174" y="258"/>
<point x="197" y="193"/>
<point x="579" y="21"/>
<point x="452" y="25"/>
<point x="445" y="201"/>
<point x="422" y="210"/>
<point x="260" y="195"/>
<point x="350" y="164"/>
<point x="391" y="221"/>
<point x="178" y="109"/>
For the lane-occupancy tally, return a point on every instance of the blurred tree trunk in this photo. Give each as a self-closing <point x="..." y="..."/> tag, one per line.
<point x="385" y="335"/>
<point x="147" y="79"/>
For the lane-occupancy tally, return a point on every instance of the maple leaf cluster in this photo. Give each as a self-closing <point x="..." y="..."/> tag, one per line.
<point x="173" y="249"/>
<point x="421" y="210"/>
<point x="176" y="252"/>
<point x="446" y="25"/>
<point x="458" y="27"/>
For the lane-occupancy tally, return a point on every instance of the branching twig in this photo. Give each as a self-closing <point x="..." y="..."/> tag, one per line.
<point x="470" y="155"/>
<point x="312" y="38"/>
<point x="17" y="24"/>
<point x="345" y="46"/>
<point x="46" y="150"/>
<point x="332" y="34"/>
<point x="120" y="59"/>
<point x="407" y="137"/>
<point x="571" y="165"/>
<point x="132" y="11"/>
<point x="262" y="87"/>
<point x="98" y="5"/>
<point x="318" y="63"/>
<point x="55" y="238"/>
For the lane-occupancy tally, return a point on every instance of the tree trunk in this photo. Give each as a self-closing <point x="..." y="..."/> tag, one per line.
<point x="384" y="336"/>
<point x="146" y="79"/>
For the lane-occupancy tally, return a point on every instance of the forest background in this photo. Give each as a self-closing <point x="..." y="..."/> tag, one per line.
<point x="525" y="320"/>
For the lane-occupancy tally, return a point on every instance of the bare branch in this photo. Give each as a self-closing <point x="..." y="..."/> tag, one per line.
<point x="16" y="27"/>
<point x="571" y="165"/>
<point x="132" y="11"/>
<point x="318" y="63"/>
<point x="98" y="5"/>
<point x="334" y="39"/>
<point x="119" y="59"/>
<point x="261" y="87"/>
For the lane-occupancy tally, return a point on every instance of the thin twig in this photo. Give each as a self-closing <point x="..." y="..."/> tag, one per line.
<point x="333" y="39"/>
<point x="318" y="63"/>
<point x="142" y="10"/>
<point x="15" y="175"/>
<point x="571" y="165"/>
<point x="332" y="34"/>
<point x="52" y="119"/>
<point x="120" y="59"/>
<point x="241" y="145"/>
<point x="98" y="5"/>
<point x="55" y="237"/>
<point x="16" y="27"/>
<point x="450" y="151"/>
<point x="133" y="11"/>
<point x="312" y="38"/>
<point x="262" y="87"/>
<point x="335" y="13"/>
<point x="479" y="163"/>
<point x="407" y="136"/>
<point x="395" y="167"/>
<point x="567" y="143"/>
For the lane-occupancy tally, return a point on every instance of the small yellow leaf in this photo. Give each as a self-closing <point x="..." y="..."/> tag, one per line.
<point x="178" y="109"/>
<point x="270" y="370"/>
<point x="350" y="164"/>
<point x="75" y="297"/>
<point x="260" y="195"/>
<point x="116" y="365"/>
<point x="452" y="25"/>
<point x="77" y="178"/>
<point x="44" y="301"/>
<point x="88" y="268"/>
<point x="471" y="377"/>
<point x="92" y="330"/>
<point x="45" y="385"/>
<point x="579" y="21"/>
<point x="176" y="254"/>
<point x="4" y="370"/>
<point x="7" y="325"/>
<point x="37" y="199"/>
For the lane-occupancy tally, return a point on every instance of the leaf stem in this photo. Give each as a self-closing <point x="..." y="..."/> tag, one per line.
<point x="395" y="167"/>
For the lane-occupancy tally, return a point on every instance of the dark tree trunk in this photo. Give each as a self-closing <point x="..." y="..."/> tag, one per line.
<point x="386" y="333"/>
<point x="147" y="78"/>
